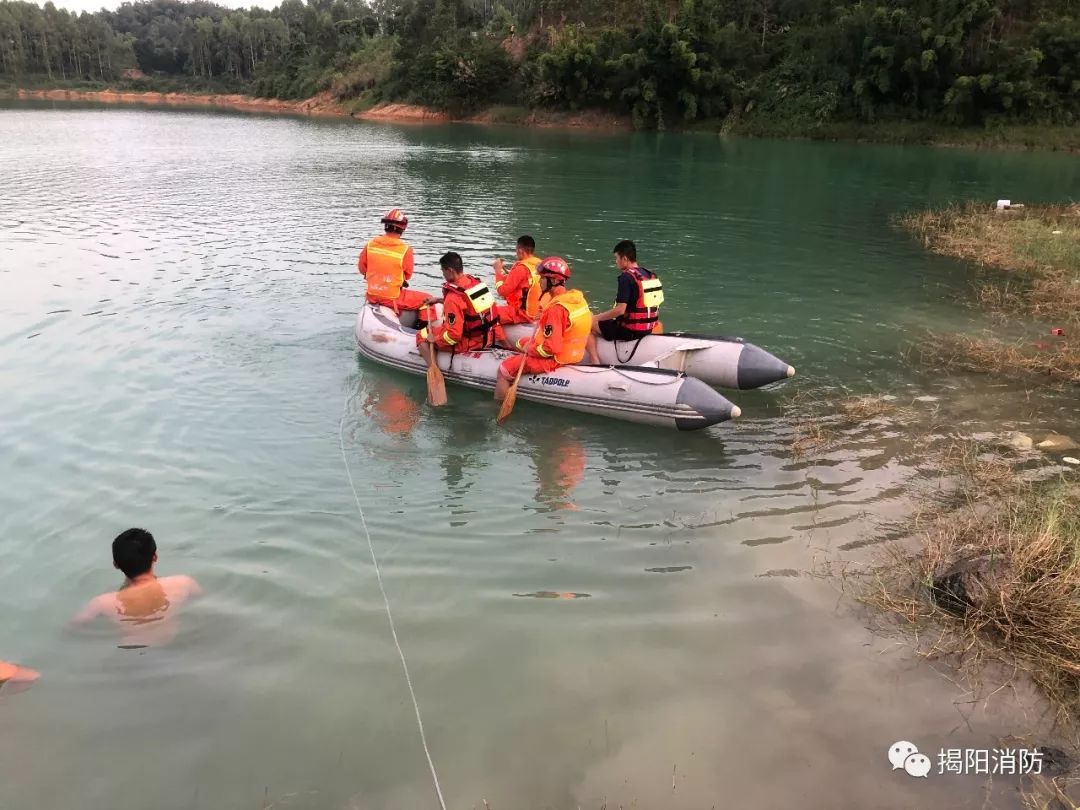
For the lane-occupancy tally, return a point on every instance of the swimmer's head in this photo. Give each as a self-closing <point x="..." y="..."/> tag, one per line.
<point x="134" y="552"/>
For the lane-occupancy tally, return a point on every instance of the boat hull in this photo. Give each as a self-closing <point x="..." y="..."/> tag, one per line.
<point x="725" y="362"/>
<point x="660" y="397"/>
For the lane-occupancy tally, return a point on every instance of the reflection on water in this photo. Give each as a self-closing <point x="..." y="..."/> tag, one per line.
<point x="389" y="408"/>
<point x="555" y="595"/>
<point x="189" y="283"/>
<point x="561" y="463"/>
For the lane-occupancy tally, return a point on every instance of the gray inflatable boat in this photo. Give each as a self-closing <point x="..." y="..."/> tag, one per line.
<point x="652" y="396"/>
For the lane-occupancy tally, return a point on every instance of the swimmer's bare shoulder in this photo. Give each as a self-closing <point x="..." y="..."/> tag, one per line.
<point x="180" y="587"/>
<point x="104" y="605"/>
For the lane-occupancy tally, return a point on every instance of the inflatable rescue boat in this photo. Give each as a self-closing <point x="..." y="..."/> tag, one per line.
<point x="653" y="396"/>
<point x="726" y="362"/>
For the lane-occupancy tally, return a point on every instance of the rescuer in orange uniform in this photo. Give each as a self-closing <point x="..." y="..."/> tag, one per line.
<point x="387" y="263"/>
<point x="469" y="318"/>
<point x="562" y="333"/>
<point x="521" y="286"/>
<point x="637" y="302"/>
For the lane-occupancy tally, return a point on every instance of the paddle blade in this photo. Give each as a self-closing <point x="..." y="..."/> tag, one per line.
<point x="436" y="386"/>
<point x="507" y="405"/>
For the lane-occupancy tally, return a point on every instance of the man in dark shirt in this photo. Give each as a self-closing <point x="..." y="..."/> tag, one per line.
<point x="613" y="324"/>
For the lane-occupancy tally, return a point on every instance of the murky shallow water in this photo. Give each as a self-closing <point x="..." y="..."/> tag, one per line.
<point x="176" y="352"/>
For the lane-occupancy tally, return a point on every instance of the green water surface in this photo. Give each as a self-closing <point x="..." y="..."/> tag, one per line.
<point x="176" y="352"/>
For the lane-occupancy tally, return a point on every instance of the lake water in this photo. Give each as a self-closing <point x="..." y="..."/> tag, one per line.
<point x="176" y="352"/>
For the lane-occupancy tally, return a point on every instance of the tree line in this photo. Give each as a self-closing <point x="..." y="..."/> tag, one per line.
<point x="664" y="62"/>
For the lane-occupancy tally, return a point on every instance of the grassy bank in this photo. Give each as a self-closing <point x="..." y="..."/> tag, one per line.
<point x="995" y="575"/>
<point x="916" y="133"/>
<point x="988" y="572"/>
<point x="1038" y="250"/>
<point x="987" y="568"/>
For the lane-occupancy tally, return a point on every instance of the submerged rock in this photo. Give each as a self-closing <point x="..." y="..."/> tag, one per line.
<point x="969" y="583"/>
<point x="1020" y="441"/>
<point x="1057" y="442"/>
<point x="1055" y="762"/>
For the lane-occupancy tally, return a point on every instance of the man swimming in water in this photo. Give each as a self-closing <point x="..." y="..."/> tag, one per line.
<point x="144" y="601"/>
<point x="14" y="678"/>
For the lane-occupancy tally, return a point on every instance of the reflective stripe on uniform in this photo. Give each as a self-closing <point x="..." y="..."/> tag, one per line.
<point x="386" y="266"/>
<point x="393" y="254"/>
<point x="577" y="312"/>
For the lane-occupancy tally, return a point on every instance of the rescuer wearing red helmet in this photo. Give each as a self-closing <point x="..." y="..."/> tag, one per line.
<point x="561" y="334"/>
<point x="387" y="263"/>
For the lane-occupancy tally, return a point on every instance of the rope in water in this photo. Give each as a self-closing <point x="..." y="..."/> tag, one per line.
<point x="386" y="602"/>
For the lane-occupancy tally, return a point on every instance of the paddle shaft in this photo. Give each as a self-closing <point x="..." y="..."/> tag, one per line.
<point x="436" y="383"/>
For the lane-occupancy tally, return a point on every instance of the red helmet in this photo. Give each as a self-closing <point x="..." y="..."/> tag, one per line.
<point x="396" y="217"/>
<point x="554" y="266"/>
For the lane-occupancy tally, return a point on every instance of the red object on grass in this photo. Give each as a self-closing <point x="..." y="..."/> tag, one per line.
<point x="1058" y="332"/>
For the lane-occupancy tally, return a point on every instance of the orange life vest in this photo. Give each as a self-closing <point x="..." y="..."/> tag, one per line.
<point x="480" y="317"/>
<point x="576" y="337"/>
<point x="530" y="296"/>
<point x="642" y="315"/>
<point x="386" y="266"/>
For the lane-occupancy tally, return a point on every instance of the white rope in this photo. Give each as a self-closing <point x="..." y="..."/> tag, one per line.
<point x="386" y="602"/>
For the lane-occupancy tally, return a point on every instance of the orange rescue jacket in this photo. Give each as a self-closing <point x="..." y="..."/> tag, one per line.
<point x="521" y="287"/>
<point x="386" y="263"/>
<point x="564" y="329"/>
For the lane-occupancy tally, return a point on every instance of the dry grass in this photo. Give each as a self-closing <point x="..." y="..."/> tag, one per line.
<point x="1040" y="247"/>
<point x="1018" y="239"/>
<point x="1025" y="606"/>
<point x="1041" y="243"/>
<point x="858" y="409"/>
<point x="819" y="421"/>
<point x="1050" y="794"/>
<point x="982" y="469"/>
<point x="1057" y="359"/>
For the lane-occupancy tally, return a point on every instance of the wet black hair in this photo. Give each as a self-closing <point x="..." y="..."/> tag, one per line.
<point x="452" y="261"/>
<point x="527" y="242"/>
<point x="390" y="227"/>
<point x="626" y="249"/>
<point x="133" y="552"/>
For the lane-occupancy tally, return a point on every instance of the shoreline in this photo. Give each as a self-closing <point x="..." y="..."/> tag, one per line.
<point x="321" y="105"/>
<point x="325" y="106"/>
<point x="902" y="133"/>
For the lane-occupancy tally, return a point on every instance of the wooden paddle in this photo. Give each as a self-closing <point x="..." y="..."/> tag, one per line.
<point x="511" y="395"/>
<point x="436" y="383"/>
